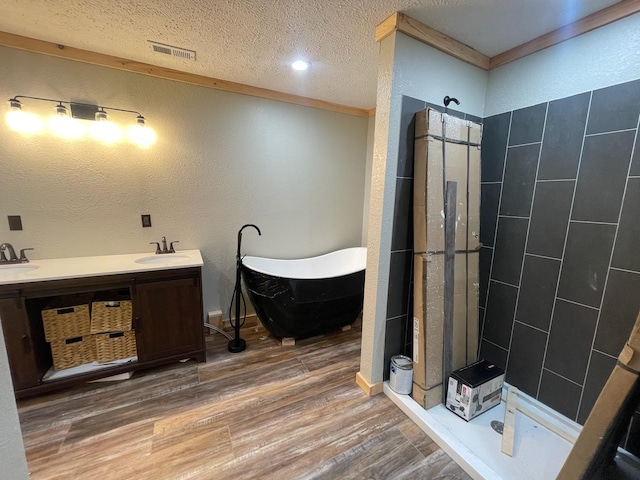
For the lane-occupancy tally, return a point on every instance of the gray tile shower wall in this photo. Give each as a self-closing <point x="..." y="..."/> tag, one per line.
<point x="560" y="265"/>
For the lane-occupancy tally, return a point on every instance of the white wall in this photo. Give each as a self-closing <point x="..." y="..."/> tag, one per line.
<point x="222" y="160"/>
<point x="406" y="67"/>
<point x="603" y="57"/>
<point x="428" y="74"/>
<point x="367" y="178"/>
<point x="12" y="458"/>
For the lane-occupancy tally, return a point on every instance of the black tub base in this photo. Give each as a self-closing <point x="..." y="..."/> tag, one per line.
<point x="302" y="308"/>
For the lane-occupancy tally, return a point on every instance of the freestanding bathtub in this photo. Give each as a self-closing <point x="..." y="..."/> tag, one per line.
<point x="306" y="297"/>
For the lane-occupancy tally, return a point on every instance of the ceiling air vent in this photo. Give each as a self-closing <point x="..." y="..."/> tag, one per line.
<point x="171" y="50"/>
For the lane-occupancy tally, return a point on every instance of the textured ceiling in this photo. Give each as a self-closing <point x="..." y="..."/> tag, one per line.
<point x="253" y="41"/>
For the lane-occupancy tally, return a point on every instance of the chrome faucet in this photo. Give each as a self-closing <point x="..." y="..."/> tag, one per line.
<point x="13" y="258"/>
<point x="7" y="247"/>
<point x="164" y="248"/>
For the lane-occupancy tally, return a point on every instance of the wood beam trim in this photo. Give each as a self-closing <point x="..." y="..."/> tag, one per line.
<point x="387" y="27"/>
<point x="70" y="53"/>
<point x="615" y="12"/>
<point x="415" y="29"/>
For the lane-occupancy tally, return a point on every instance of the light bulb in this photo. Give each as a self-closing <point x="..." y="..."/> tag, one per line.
<point x="64" y="126"/>
<point x="142" y="136"/>
<point x="22" y="122"/>
<point x="104" y="130"/>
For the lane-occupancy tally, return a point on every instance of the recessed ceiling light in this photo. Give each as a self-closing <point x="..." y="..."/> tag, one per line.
<point x="300" y="65"/>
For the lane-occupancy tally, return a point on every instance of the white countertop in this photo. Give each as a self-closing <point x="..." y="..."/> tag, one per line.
<point x="78" y="267"/>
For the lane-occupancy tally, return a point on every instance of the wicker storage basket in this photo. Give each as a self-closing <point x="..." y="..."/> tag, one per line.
<point x="66" y="322"/>
<point x="115" y="345"/>
<point x="71" y="352"/>
<point x="111" y="316"/>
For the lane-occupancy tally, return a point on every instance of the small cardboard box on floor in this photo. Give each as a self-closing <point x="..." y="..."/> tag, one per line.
<point x="474" y="389"/>
<point x="457" y="159"/>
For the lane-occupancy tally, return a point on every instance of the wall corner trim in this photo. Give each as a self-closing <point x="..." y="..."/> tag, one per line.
<point x="368" y="388"/>
<point x="603" y="17"/>
<point x="409" y="26"/>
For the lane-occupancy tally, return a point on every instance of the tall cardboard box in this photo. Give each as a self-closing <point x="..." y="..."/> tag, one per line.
<point x="460" y="149"/>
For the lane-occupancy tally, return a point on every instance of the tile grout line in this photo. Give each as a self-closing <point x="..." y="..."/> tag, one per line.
<point x="531" y="326"/>
<point x="625" y="270"/>
<point x="590" y="222"/>
<point x="609" y="132"/>
<point x="564" y="249"/>
<point x="504" y="283"/>
<point x="550" y="180"/>
<point x="495" y="344"/>
<point x="526" y="242"/>
<point x="514" y="216"/>
<point x="578" y="303"/>
<point x="563" y="377"/>
<point x="495" y="234"/>
<point x="605" y="354"/>
<point x="613" y="248"/>
<point x="525" y="144"/>
<point x="542" y="256"/>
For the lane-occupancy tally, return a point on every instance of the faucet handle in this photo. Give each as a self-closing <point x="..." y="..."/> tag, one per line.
<point x="171" y="249"/>
<point x="3" y="257"/>
<point x="157" y="247"/>
<point x="23" y="257"/>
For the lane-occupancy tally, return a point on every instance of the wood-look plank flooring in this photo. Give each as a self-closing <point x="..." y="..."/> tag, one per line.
<point x="273" y="411"/>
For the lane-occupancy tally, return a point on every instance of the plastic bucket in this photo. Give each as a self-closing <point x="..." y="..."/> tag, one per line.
<point x="401" y="374"/>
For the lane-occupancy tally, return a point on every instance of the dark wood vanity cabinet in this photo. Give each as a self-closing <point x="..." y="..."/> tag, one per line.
<point x="21" y="337"/>
<point x="167" y="319"/>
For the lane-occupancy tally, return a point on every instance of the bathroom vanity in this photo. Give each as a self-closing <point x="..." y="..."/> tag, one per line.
<point x="166" y="301"/>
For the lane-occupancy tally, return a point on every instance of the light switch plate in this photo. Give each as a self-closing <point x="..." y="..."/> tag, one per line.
<point x="146" y="220"/>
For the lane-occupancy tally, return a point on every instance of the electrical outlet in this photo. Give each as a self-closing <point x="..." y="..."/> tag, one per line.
<point x="146" y="220"/>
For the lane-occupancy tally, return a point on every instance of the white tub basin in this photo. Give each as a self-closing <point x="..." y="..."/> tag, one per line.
<point x="162" y="259"/>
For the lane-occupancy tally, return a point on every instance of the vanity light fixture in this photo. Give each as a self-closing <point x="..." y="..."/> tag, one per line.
<point x="84" y="118"/>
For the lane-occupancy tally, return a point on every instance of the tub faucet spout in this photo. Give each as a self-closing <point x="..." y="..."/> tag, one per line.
<point x="240" y="236"/>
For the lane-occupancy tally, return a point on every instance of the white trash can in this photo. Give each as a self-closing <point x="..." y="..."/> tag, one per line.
<point x="401" y="374"/>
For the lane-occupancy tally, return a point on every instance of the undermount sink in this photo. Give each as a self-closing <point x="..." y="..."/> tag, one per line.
<point x="163" y="259"/>
<point x="18" y="268"/>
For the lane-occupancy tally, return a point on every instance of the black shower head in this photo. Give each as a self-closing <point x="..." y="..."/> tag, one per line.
<point x="448" y="100"/>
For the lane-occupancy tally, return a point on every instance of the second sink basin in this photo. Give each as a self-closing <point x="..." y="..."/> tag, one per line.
<point x="163" y="259"/>
<point x="15" y="269"/>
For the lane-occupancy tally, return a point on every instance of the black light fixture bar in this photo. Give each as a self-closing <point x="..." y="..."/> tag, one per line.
<point x="81" y="110"/>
